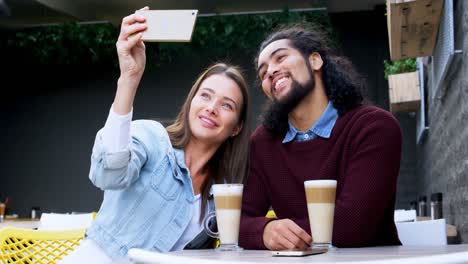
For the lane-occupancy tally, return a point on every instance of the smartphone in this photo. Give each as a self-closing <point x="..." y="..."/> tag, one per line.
<point x="168" y="25"/>
<point x="298" y="253"/>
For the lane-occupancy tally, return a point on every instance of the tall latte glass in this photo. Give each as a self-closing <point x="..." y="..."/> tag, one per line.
<point x="228" y="200"/>
<point x="320" y="196"/>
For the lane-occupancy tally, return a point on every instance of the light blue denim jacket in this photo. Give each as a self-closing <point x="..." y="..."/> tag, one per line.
<point x="148" y="198"/>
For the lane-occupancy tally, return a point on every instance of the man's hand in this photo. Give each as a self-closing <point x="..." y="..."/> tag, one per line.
<point x="285" y="234"/>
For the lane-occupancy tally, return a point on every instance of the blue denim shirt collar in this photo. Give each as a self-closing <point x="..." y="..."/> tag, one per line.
<point x="321" y="128"/>
<point x="180" y="159"/>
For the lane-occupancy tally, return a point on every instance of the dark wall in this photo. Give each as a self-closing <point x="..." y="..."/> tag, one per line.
<point x="443" y="156"/>
<point x="49" y="124"/>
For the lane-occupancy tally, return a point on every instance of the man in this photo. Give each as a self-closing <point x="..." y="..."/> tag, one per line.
<point x="317" y="127"/>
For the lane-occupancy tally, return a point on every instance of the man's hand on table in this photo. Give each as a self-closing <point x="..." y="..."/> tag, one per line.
<point x="285" y="234"/>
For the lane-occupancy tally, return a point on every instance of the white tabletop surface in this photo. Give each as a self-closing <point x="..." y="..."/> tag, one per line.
<point x="20" y="223"/>
<point x="393" y="254"/>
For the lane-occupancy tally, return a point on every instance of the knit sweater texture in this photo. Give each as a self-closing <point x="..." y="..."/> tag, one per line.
<point x="363" y="154"/>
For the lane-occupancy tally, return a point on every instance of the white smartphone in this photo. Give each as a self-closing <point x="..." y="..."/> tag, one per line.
<point x="168" y="25"/>
<point x="298" y="253"/>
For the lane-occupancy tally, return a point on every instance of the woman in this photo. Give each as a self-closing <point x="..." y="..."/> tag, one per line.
<point x="157" y="180"/>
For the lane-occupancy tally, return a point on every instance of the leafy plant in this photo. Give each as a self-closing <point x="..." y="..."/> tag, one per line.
<point x="399" y="66"/>
<point x="69" y="43"/>
<point x="91" y="44"/>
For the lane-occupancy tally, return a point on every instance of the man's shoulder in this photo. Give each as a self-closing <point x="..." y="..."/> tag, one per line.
<point x="261" y="135"/>
<point x="369" y="114"/>
<point x="367" y="119"/>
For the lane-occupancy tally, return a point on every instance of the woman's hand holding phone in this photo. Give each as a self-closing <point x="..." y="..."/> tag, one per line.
<point x="130" y="48"/>
<point x="132" y="61"/>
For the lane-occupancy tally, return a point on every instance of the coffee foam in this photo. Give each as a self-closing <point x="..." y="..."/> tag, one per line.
<point x="227" y="189"/>
<point x="320" y="183"/>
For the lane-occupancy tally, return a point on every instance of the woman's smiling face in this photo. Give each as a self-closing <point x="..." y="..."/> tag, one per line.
<point x="215" y="109"/>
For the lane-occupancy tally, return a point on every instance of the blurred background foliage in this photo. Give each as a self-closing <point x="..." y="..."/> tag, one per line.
<point x="399" y="66"/>
<point x="94" y="44"/>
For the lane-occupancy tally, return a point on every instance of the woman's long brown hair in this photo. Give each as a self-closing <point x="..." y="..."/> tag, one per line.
<point x="229" y="163"/>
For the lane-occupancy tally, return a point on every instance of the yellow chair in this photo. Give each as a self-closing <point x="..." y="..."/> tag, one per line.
<point x="271" y="214"/>
<point x="27" y="246"/>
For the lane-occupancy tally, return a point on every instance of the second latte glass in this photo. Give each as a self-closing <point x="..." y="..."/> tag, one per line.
<point x="320" y="196"/>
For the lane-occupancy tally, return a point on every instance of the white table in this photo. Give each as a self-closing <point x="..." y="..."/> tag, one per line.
<point x="20" y="223"/>
<point x="393" y="254"/>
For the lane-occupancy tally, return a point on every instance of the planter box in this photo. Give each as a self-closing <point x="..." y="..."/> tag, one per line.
<point x="403" y="91"/>
<point x="412" y="27"/>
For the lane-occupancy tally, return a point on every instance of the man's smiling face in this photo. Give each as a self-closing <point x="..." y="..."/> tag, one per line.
<point x="279" y="66"/>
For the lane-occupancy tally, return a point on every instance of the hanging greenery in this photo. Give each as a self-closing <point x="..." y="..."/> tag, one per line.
<point x="399" y="66"/>
<point x="75" y="43"/>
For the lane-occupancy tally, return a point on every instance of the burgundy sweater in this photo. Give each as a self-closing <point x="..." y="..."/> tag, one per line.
<point x="362" y="154"/>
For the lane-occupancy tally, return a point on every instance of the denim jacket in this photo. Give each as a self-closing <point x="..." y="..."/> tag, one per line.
<point x="148" y="198"/>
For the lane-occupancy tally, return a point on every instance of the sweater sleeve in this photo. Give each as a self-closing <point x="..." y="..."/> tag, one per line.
<point x="255" y="205"/>
<point x="368" y="188"/>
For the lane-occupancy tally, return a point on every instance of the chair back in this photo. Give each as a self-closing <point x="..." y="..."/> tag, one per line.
<point x="53" y="221"/>
<point x="422" y="233"/>
<point x="27" y="246"/>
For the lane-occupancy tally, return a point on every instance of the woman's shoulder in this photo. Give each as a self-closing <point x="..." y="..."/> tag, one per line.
<point x="150" y="126"/>
<point x="150" y="132"/>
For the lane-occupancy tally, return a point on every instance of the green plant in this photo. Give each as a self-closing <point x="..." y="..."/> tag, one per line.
<point x="399" y="66"/>
<point x="68" y="43"/>
<point x="226" y="36"/>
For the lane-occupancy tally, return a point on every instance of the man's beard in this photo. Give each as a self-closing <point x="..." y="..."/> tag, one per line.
<point x="275" y="116"/>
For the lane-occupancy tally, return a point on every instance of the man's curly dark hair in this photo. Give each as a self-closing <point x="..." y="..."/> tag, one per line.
<point x="343" y="85"/>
